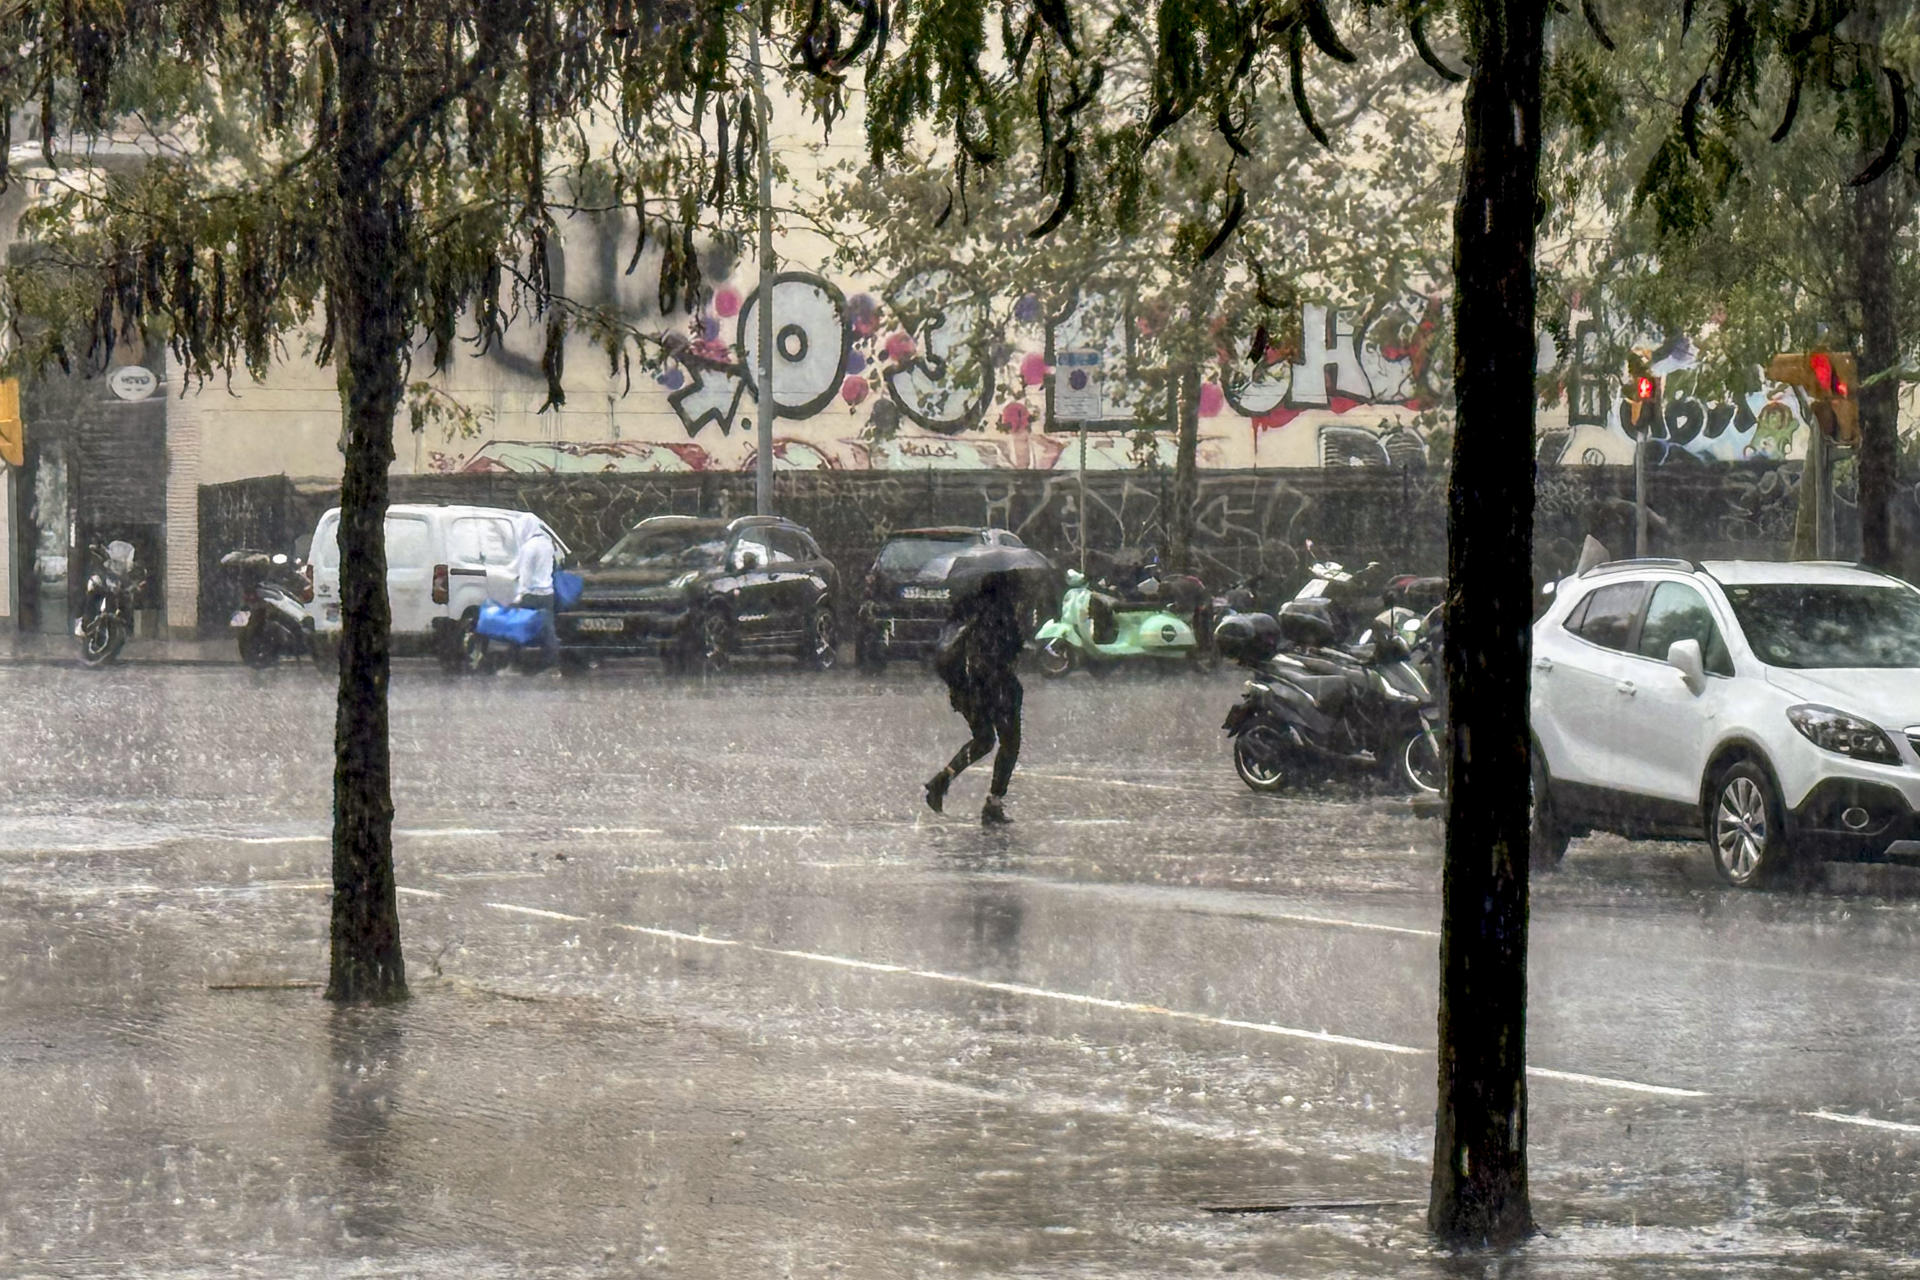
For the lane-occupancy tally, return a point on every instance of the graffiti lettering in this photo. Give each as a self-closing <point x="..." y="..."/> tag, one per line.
<point x="947" y="383"/>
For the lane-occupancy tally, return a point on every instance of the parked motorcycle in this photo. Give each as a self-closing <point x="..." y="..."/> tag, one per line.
<point x="273" y="622"/>
<point x="106" y="614"/>
<point x="1311" y="705"/>
<point x="1096" y="629"/>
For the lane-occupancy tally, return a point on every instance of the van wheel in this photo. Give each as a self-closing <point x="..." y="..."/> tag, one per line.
<point x="1746" y="832"/>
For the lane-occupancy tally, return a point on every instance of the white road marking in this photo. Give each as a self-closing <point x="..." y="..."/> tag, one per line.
<point x="1335" y="923"/>
<point x="536" y="911"/>
<point x="1868" y="1122"/>
<point x="1101" y="1002"/>
<point x="1609" y="1082"/>
<point x="1109" y="782"/>
<point x="612" y="831"/>
<point x="441" y="833"/>
<point x="419" y="893"/>
<point x="307" y="839"/>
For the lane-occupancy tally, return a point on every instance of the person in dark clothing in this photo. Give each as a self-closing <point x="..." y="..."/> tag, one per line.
<point x="976" y="659"/>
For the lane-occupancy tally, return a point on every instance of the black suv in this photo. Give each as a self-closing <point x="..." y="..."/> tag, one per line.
<point x="695" y="591"/>
<point x="904" y="602"/>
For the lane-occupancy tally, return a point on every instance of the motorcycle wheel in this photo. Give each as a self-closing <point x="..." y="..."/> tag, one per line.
<point x="259" y="647"/>
<point x="101" y="640"/>
<point x="1056" y="659"/>
<point x="1261" y="756"/>
<point x="1418" y="764"/>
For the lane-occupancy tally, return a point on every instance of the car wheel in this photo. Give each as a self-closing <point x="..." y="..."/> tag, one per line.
<point x="1056" y="658"/>
<point x="712" y="643"/>
<point x="1746" y="833"/>
<point x="1546" y="839"/>
<point x="1262" y="756"/>
<point x="823" y="638"/>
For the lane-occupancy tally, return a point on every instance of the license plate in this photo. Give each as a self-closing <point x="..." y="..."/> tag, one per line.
<point x="601" y="624"/>
<point x="923" y="593"/>
<point x="239" y="619"/>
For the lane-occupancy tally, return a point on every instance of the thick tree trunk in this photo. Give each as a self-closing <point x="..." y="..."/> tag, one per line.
<point x="1186" y="473"/>
<point x="1480" y="1132"/>
<point x="1873" y="221"/>
<point x="366" y="960"/>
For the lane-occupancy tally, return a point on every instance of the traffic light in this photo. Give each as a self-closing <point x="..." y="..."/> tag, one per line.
<point x="1640" y="398"/>
<point x="1828" y="378"/>
<point x="13" y="435"/>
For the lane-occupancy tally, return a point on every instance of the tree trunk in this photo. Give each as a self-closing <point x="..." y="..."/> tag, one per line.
<point x="364" y="293"/>
<point x="1479" y="1193"/>
<point x="1879" y="402"/>
<point x="1186" y="474"/>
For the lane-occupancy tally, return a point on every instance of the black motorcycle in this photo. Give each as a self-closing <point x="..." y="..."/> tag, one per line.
<point x="273" y="621"/>
<point x="106" y="613"/>
<point x="1312" y="706"/>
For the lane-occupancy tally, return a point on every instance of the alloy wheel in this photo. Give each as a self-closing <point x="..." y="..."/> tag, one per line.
<point x="1740" y="828"/>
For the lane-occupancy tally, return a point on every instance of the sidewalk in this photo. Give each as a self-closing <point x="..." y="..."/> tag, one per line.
<point x="61" y="650"/>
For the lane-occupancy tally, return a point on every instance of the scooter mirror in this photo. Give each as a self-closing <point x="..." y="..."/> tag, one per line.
<point x="1075" y="578"/>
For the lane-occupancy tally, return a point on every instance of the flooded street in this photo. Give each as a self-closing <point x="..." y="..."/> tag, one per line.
<point x="700" y="988"/>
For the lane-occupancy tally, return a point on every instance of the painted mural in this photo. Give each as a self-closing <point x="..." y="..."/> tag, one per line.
<point x="929" y="373"/>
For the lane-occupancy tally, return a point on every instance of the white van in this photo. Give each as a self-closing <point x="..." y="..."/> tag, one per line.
<point x="443" y="563"/>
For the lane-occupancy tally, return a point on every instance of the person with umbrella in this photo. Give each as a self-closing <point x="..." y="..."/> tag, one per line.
<point x="976" y="656"/>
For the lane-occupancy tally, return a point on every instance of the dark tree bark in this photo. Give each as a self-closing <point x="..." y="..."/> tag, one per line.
<point x="1186" y="474"/>
<point x="364" y="291"/>
<point x="1879" y="402"/>
<point x="1479" y="1193"/>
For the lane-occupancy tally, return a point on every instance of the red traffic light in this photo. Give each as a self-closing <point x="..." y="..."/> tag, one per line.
<point x="1821" y="365"/>
<point x="1643" y="387"/>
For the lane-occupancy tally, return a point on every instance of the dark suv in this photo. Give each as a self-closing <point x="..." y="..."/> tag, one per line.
<point x="696" y="591"/>
<point x="904" y="602"/>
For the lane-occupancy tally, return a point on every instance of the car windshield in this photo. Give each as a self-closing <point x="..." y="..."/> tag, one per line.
<point x="1829" y="624"/>
<point x="666" y="549"/>
<point x="910" y="555"/>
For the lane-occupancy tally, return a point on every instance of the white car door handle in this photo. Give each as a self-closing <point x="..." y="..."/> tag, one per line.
<point x="1543" y="664"/>
<point x="1626" y="687"/>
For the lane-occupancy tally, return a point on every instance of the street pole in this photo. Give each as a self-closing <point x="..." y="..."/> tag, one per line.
<point x="1640" y="494"/>
<point x="1820" y="461"/>
<point x="1083" y="497"/>
<point x="763" y="375"/>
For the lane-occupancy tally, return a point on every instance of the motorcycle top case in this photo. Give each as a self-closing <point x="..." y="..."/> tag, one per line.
<point x="1247" y="637"/>
<point x="500" y="622"/>
<point x="1306" y="622"/>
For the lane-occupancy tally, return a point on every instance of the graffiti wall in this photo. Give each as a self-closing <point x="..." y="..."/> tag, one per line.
<point x="928" y="372"/>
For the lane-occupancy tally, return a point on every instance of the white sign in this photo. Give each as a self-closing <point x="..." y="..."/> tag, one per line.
<point x="1076" y="387"/>
<point x="132" y="382"/>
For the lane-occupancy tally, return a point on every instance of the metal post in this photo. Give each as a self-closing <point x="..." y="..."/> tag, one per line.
<point x="1083" y="497"/>
<point x="763" y="376"/>
<point x="1640" y="494"/>
<point x="1820" y="463"/>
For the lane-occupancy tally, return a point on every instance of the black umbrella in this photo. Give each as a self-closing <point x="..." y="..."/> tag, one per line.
<point x="973" y="569"/>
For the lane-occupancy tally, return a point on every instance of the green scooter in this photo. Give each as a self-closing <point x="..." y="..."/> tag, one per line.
<point x="1096" y="637"/>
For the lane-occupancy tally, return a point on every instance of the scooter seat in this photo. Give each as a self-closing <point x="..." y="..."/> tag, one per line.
<point x="1326" y="691"/>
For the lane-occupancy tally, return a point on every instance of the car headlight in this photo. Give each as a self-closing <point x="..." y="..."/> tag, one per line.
<point x="1837" y="731"/>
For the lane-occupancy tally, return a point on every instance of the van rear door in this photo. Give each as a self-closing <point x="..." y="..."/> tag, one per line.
<point x="410" y="574"/>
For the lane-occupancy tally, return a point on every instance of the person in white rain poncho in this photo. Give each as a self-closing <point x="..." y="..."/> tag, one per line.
<point x="534" y="568"/>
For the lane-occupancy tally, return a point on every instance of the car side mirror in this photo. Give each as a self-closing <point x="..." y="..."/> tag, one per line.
<point x="1684" y="656"/>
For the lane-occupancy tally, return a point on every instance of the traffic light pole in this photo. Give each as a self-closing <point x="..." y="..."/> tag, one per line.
<point x="763" y="375"/>
<point x="1640" y="494"/>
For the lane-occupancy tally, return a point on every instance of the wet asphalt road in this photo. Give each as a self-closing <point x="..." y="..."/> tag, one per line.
<point x="702" y="989"/>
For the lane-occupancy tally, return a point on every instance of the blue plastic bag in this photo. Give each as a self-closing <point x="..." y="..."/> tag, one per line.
<point x="567" y="588"/>
<point x="517" y="626"/>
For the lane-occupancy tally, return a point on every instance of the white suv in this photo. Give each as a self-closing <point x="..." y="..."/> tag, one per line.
<point x="1774" y="708"/>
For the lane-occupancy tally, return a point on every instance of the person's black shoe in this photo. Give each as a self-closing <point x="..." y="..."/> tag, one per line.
<point x="937" y="790"/>
<point x="992" y="814"/>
